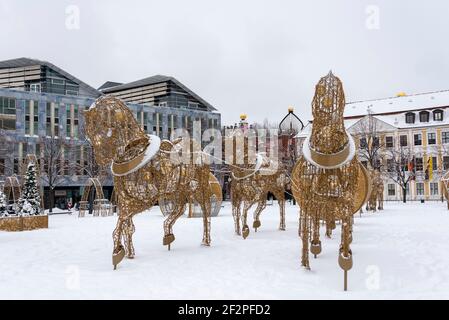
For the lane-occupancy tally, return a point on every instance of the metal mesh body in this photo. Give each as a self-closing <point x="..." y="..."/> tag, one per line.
<point x="140" y="182"/>
<point x="328" y="194"/>
<point x="251" y="185"/>
<point x="376" y="198"/>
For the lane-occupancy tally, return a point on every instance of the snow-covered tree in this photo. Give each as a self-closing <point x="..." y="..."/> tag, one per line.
<point x="2" y="204"/>
<point x="30" y="199"/>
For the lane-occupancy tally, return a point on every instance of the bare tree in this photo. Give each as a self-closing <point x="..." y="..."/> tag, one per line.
<point x="53" y="165"/>
<point x="371" y="146"/>
<point x="89" y="166"/>
<point x="401" y="168"/>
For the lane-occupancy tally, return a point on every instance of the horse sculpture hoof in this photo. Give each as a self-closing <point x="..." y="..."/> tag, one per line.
<point x="118" y="257"/>
<point x="168" y="239"/>
<point x="315" y="247"/>
<point x="256" y="224"/>
<point x="345" y="262"/>
<point x="245" y="232"/>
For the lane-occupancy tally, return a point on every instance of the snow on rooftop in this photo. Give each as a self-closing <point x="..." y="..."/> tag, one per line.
<point x="387" y="110"/>
<point x="398" y="104"/>
<point x="308" y="128"/>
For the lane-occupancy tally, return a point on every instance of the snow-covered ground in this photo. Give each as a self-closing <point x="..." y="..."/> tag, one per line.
<point x="401" y="252"/>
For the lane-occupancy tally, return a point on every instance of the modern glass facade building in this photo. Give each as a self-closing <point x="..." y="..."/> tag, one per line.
<point x="40" y="101"/>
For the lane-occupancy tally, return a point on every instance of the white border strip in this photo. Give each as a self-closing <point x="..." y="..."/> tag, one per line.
<point x="308" y="156"/>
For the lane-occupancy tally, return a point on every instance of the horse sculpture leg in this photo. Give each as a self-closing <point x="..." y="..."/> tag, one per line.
<point x="345" y="257"/>
<point x="372" y="203"/>
<point x="206" y="208"/>
<point x="169" y="237"/>
<point x="245" y="229"/>
<point x="281" y="201"/>
<point x="315" y="244"/>
<point x="380" y="197"/>
<point x="128" y="230"/>
<point x="260" y="207"/>
<point x="304" y="234"/>
<point x="118" y="252"/>
<point x="328" y="229"/>
<point x="236" y="215"/>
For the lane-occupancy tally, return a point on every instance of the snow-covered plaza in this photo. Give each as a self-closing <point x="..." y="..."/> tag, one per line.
<point x="401" y="252"/>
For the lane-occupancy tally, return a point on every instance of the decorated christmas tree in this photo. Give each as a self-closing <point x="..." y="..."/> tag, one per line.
<point x="30" y="200"/>
<point x="2" y="204"/>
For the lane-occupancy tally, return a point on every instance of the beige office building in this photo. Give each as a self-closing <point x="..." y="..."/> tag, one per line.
<point x="418" y="122"/>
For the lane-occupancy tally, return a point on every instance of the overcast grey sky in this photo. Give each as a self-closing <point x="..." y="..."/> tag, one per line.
<point x="256" y="57"/>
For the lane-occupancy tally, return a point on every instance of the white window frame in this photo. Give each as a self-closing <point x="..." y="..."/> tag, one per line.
<point x="57" y="81"/>
<point x="34" y="86"/>
<point x="442" y="140"/>
<point x="433" y="189"/>
<point x="394" y="190"/>
<point x="193" y="105"/>
<point x="434" y="133"/>
<point x="420" y="184"/>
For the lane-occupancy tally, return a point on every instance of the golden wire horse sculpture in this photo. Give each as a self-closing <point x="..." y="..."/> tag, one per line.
<point x="445" y="187"/>
<point x="376" y="199"/>
<point x="328" y="181"/>
<point x="251" y="183"/>
<point x="145" y="172"/>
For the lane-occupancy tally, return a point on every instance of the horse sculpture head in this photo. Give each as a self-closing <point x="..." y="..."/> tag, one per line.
<point x="328" y="132"/>
<point x="111" y="128"/>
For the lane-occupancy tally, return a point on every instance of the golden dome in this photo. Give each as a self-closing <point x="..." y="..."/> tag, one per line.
<point x="401" y="94"/>
<point x="291" y="109"/>
<point x="243" y="116"/>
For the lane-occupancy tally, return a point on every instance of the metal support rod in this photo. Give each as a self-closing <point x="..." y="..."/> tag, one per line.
<point x="346" y="280"/>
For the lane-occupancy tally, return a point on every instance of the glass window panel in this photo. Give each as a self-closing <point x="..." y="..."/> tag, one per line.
<point x="431" y="138"/>
<point x="420" y="189"/>
<point x="391" y="190"/>
<point x="389" y="142"/>
<point x="403" y="141"/>
<point x="445" y="137"/>
<point x="434" y="188"/>
<point x="418" y="139"/>
<point x="419" y="164"/>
